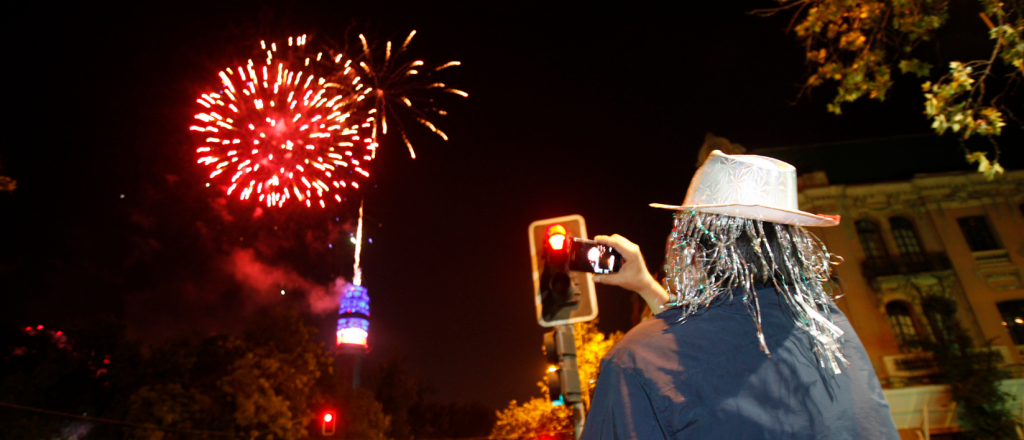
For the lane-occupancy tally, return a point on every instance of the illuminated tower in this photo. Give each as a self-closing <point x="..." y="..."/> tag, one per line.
<point x="354" y="313"/>
<point x="354" y="319"/>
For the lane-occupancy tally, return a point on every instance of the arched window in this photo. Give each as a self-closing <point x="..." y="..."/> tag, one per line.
<point x="903" y="324"/>
<point x="871" y="239"/>
<point x="1013" y="319"/>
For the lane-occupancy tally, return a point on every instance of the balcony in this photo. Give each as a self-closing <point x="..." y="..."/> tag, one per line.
<point x="930" y="409"/>
<point x="921" y="363"/>
<point x="875" y="267"/>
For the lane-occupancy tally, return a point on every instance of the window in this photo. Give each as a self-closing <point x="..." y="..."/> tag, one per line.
<point x="902" y="324"/>
<point x="979" y="236"/>
<point x="903" y="233"/>
<point x="907" y="244"/>
<point x="871" y="239"/>
<point x="1013" y="319"/>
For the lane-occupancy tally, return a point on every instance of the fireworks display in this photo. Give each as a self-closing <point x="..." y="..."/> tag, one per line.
<point x="403" y="85"/>
<point x="301" y="125"/>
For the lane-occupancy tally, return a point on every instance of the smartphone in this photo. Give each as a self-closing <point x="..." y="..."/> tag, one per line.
<point x="591" y="256"/>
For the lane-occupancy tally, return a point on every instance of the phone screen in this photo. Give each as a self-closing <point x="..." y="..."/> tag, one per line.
<point x="590" y="256"/>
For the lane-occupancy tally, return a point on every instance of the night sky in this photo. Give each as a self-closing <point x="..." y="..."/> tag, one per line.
<point x="591" y="110"/>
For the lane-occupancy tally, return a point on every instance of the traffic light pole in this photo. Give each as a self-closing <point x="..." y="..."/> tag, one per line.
<point x="578" y="419"/>
<point x="561" y="301"/>
<point x="572" y="392"/>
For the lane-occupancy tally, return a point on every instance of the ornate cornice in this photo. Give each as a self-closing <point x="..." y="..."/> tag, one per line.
<point x="918" y="194"/>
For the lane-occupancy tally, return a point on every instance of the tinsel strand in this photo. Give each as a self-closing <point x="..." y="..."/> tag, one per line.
<point x="704" y="264"/>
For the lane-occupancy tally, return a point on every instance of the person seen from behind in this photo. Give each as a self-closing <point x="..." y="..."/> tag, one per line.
<point x="746" y="341"/>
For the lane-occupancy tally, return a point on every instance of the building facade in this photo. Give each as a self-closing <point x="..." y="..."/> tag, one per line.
<point x="953" y="234"/>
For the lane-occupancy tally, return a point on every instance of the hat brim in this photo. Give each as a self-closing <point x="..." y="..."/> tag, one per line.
<point x="763" y="213"/>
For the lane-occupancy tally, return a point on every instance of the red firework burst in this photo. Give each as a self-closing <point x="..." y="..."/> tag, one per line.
<point x="287" y="128"/>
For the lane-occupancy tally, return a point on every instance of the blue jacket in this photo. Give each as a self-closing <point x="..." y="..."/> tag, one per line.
<point x="708" y="379"/>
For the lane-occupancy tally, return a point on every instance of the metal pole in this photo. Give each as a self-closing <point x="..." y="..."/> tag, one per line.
<point x="578" y="419"/>
<point x="572" y="392"/>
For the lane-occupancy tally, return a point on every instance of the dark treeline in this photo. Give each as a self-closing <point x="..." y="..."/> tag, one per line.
<point x="270" y="380"/>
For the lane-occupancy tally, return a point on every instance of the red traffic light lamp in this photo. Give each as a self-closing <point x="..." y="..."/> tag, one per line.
<point x="328" y="423"/>
<point x="556" y="237"/>
<point x="556" y="251"/>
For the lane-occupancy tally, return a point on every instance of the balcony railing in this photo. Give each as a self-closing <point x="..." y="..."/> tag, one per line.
<point x="930" y="409"/>
<point x="905" y="264"/>
<point x="921" y="363"/>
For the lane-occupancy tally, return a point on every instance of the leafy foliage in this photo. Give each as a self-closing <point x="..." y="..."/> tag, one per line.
<point x="361" y="417"/>
<point x="398" y="391"/>
<point x="78" y="371"/>
<point x="856" y="44"/>
<point x="259" y="385"/>
<point x="406" y="400"/>
<point x="973" y="375"/>
<point x="591" y="346"/>
<point x="7" y="184"/>
<point x="265" y="383"/>
<point x="451" y="420"/>
<point x="532" y="419"/>
<point x="537" y="417"/>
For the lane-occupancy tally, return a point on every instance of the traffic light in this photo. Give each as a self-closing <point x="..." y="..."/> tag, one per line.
<point x="560" y="296"/>
<point x="563" y="374"/>
<point x="554" y="370"/>
<point x="554" y="376"/>
<point x="328" y="423"/>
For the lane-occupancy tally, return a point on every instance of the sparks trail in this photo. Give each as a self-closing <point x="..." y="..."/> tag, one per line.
<point x="404" y="85"/>
<point x="287" y="128"/>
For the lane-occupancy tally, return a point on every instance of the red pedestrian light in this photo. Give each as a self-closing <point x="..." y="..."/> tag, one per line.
<point x="328" y="423"/>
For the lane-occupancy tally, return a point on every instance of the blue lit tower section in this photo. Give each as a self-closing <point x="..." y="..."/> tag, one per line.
<point x="354" y="318"/>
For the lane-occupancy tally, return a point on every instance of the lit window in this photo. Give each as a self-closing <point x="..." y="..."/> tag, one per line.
<point x="1013" y="319"/>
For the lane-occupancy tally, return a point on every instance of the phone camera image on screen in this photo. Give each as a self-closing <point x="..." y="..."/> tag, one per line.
<point x="591" y="256"/>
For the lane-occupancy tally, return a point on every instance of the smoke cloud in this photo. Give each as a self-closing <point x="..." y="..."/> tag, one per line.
<point x="264" y="282"/>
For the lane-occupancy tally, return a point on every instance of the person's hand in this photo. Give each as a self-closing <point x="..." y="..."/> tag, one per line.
<point x="633" y="275"/>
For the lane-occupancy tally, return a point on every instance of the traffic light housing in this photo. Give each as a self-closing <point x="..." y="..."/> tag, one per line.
<point x="553" y="374"/>
<point x="328" y="423"/>
<point x="563" y="373"/>
<point x="561" y="297"/>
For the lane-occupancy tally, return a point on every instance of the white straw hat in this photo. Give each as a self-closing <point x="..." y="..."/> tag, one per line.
<point x="748" y="186"/>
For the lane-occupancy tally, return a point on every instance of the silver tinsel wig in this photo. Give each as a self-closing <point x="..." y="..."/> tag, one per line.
<point x="706" y="262"/>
